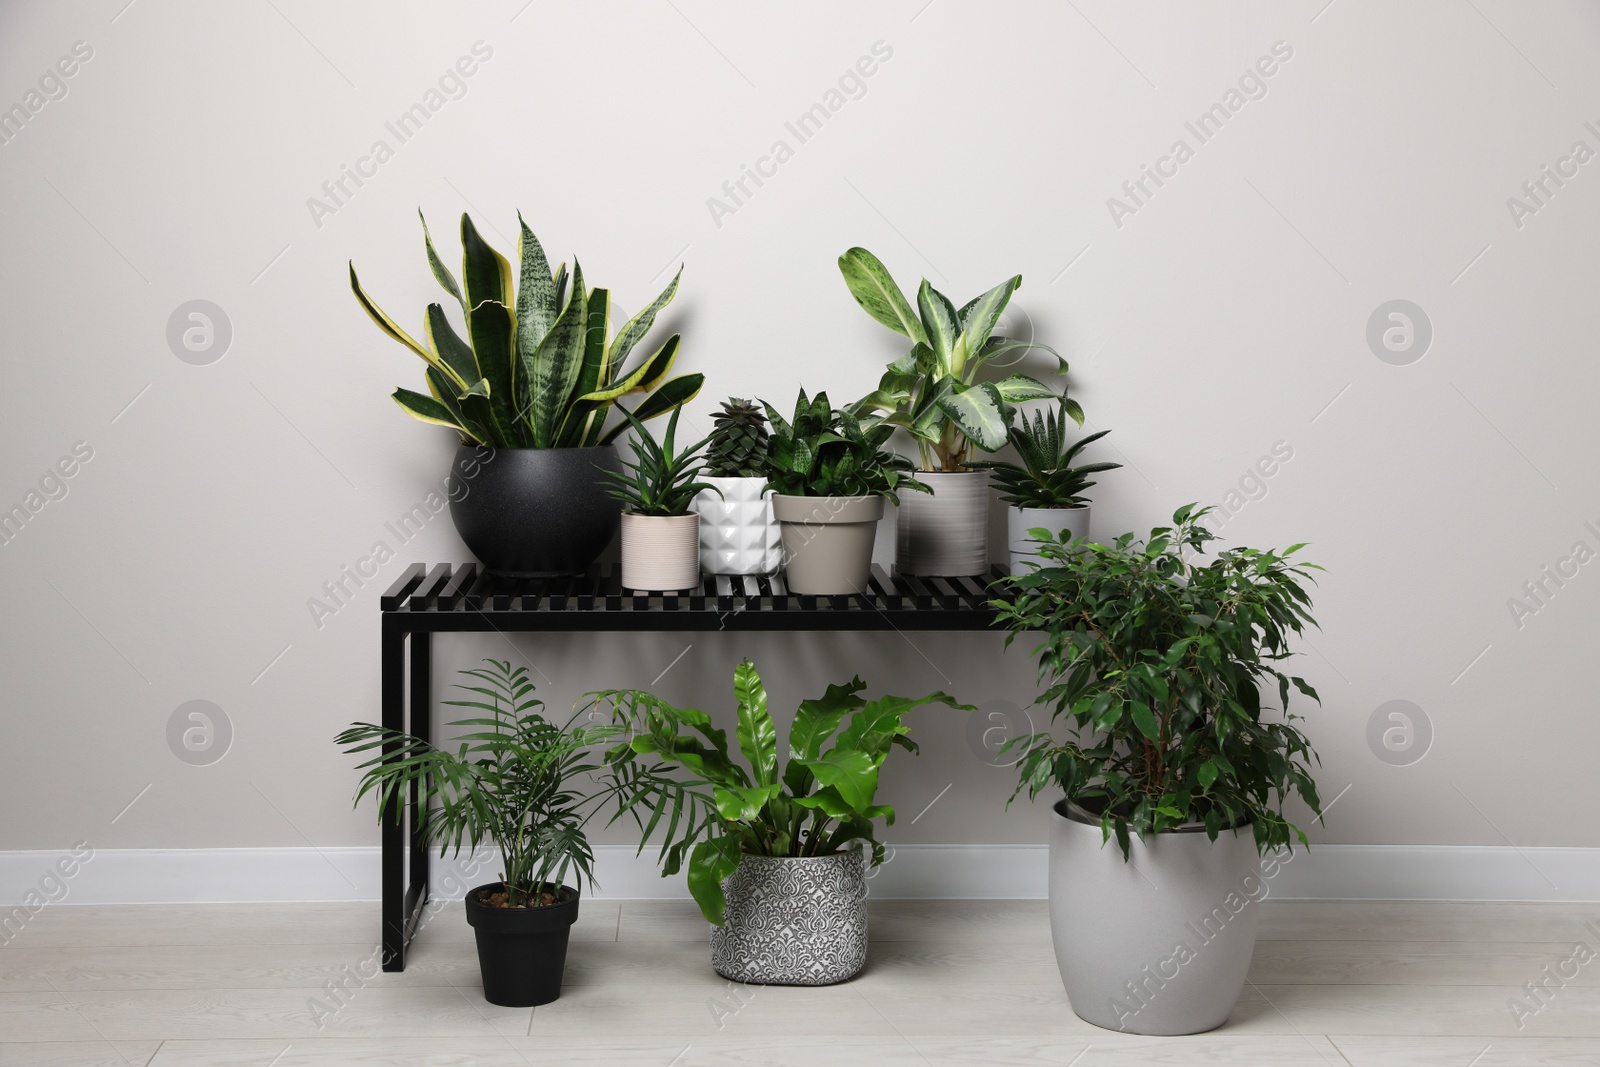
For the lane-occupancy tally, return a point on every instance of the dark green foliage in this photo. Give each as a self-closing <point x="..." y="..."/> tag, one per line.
<point x="738" y="444"/>
<point x="658" y="481"/>
<point x="824" y="451"/>
<point x="1157" y="660"/>
<point x="512" y="781"/>
<point x="816" y="805"/>
<point x="1044" y="476"/>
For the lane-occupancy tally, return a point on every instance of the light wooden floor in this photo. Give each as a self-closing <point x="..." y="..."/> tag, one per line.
<point x="1333" y="985"/>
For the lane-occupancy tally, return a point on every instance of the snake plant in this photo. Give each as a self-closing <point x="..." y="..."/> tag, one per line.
<point x="535" y="369"/>
<point x="933" y="391"/>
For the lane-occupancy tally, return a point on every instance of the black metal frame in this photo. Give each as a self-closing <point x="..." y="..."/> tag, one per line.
<point x="465" y="598"/>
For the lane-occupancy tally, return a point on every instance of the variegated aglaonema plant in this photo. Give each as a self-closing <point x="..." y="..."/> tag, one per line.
<point x="933" y="391"/>
<point x="535" y="369"/>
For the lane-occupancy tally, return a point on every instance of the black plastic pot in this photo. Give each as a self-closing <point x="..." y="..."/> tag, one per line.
<point x="522" y="951"/>
<point x="535" y="512"/>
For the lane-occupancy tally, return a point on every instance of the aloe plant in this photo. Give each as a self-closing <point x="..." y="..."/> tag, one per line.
<point x="1044" y="476"/>
<point x="535" y="368"/>
<point x="816" y="804"/>
<point x="933" y="391"/>
<point x="661" y="478"/>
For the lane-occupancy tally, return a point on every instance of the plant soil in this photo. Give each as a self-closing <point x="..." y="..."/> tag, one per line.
<point x="503" y="900"/>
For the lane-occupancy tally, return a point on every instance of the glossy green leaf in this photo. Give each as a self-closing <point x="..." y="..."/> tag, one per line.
<point x="877" y="293"/>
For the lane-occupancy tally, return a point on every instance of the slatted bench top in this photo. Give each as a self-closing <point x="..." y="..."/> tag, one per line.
<point x="466" y="597"/>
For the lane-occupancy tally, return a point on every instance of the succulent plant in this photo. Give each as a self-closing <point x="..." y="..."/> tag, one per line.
<point x="1045" y="477"/>
<point x="738" y="447"/>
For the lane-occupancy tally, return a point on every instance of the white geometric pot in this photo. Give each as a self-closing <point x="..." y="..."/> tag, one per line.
<point x="1159" y="945"/>
<point x="660" y="553"/>
<point x="793" y="920"/>
<point x="947" y="533"/>
<point x="1020" y="520"/>
<point x="738" y="533"/>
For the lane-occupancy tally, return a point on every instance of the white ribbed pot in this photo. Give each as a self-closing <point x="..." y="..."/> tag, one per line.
<point x="738" y="532"/>
<point x="1160" y="945"/>
<point x="793" y="920"/>
<point x="827" y="542"/>
<point x="660" y="552"/>
<point x="946" y="534"/>
<point x="1020" y="520"/>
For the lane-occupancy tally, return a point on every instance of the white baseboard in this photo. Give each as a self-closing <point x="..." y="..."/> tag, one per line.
<point x="995" y="872"/>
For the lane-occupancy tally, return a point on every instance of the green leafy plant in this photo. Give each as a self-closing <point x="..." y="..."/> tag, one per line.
<point x="816" y="804"/>
<point x="827" y="451"/>
<point x="738" y="443"/>
<point x="1043" y="476"/>
<point x="534" y="369"/>
<point x="933" y="391"/>
<point x="659" y="480"/>
<point x="1157" y="660"/>
<point x="512" y="781"/>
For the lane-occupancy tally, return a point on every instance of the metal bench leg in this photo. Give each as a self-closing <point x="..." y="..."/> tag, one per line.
<point x="393" y="828"/>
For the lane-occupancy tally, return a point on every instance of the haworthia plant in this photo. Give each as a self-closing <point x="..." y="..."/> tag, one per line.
<point x="933" y="392"/>
<point x="537" y="367"/>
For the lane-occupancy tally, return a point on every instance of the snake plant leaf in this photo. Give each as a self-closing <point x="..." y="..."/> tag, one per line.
<point x="551" y="370"/>
<point x="494" y="342"/>
<point x="561" y="286"/>
<point x="870" y="283"/>
<point x="978" y="412"/>
<point x="441" y="273"/>
<point x="485" y="273"/>
<point x="711" y="861"/>
<point x="385" y="323"/>
<point x="757" y="736"/>
<point x="468" y="408"/>
<point x="939" y="323"/>
<point x="668" y="396"/>
<point x="979" y="322"/>
<point x="536" y="290"/>
<point x="443" y="390"/>
<point x="426" y="409"/>
<point x="636" y="327"/>
<point x="1020" y="387"/>
<point x="449" y="349"/>
<point x="648" y="375"/>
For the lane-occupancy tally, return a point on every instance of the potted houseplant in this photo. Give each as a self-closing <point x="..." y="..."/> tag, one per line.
<point x="532" y="380"/>
<point x="660" y="535"/>
<point x="830" y="473"/>
<point x="934" y="394"/>
<point x="1043" y="490"/>
<point x="514" y="781"/>
<point x="776" y="853"/>
<point x="1176" y="774"/>
<point x="738" y="532"/>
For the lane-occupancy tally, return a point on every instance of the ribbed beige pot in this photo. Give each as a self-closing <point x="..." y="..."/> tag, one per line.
<point x="827" y="542"/>
<point x="1024" y="549"/>
<point x="946" y="534"/>
<point x="660" y="552"/>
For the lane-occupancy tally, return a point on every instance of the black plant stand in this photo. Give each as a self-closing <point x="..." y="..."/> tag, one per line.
<point x="465" y="598"/>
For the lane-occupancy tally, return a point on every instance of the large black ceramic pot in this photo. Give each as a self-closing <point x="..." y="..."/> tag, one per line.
<point x="535" y="512"/>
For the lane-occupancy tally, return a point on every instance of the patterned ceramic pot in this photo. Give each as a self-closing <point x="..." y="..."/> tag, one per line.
<point x="738" y="532"/>
<point x="794" y="921"/>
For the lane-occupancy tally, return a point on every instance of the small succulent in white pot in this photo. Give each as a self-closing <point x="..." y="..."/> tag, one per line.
<point x="660" y="534"/>
<point x="738" y="531"/>
<point x="1043" y="489"/>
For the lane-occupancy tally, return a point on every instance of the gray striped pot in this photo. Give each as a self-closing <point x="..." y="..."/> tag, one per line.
<point x="946" y="534"/>
<point x="794" y="921"/>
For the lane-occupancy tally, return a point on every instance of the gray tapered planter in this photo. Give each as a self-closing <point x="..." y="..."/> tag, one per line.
<point x="945" y="534"/>
<point x="1019" y="521"/>
<point x="1159" y="945"/>
<point x="793" y="920"/>
<point x="827" y="542"/>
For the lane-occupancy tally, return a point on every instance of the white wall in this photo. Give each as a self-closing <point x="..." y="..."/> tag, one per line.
<point x="1227" y="314"/>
